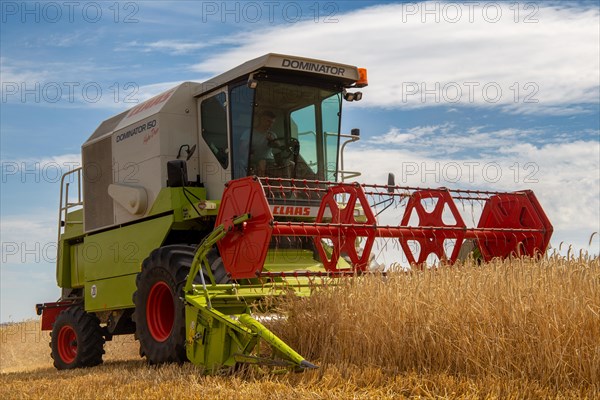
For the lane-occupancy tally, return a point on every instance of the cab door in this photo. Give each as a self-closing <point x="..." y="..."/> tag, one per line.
<point x="214" y="145"/>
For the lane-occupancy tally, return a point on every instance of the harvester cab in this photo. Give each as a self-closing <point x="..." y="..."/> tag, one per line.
<point x="197" y="204"/>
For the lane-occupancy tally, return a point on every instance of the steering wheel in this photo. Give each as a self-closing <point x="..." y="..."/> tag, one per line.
<point x="285" y="149"/>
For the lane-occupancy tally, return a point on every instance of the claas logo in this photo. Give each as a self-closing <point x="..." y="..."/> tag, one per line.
<point x="290" y="210"/>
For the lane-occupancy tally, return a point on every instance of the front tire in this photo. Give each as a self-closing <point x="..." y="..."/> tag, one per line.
<point x="159" y="308"/>
<point x="76" y="339"/>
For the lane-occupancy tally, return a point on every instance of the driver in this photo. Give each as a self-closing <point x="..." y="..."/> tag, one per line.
<point x="262" y="137"/>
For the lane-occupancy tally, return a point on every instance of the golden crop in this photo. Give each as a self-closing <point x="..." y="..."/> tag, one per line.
<point x="507" y="329"/>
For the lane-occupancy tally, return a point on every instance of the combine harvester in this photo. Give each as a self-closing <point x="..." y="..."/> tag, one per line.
<point x="189" y="210"/>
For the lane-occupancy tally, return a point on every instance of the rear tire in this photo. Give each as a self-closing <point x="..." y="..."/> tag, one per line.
<point x="159" y="308"/>
<point x="76" y="339"/>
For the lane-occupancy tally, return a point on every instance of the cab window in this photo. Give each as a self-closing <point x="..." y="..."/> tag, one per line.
<point x="213" y="114"/>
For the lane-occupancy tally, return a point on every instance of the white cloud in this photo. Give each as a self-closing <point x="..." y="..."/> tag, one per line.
<point x="32" y="72"/>
<point x="46" y="86"/>
<point x="13" y="72"/>
<point x="69" y="161"/>
<point x="446" y="139"/>
<point x="62" y="84"/>
<point x="174" y="47"/>
<point x="547" y="67"/>
<point x="29" y="239"/>
<point x="396" y="136"/>
<point x="68" y="40"/>
<point x="554" y="61"/>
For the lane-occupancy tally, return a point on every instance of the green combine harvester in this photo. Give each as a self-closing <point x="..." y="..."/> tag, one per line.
<point x="193" y="207"/>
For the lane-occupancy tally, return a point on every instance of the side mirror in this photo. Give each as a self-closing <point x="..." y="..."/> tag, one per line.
<point x="391" y="183"/>
<point x="190" y="152"/>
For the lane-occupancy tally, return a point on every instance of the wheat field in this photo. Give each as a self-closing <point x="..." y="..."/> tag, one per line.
<point x="517" y="329"/>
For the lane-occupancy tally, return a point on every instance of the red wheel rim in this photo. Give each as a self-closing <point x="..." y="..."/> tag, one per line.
<point x="160" y="311"/>
<point x="67" y="344"/>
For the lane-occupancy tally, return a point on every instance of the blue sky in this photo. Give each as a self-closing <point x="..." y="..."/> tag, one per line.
<point x="513" y="85"/>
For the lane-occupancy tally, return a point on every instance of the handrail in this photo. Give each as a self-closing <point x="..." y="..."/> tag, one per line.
<point x="64" y="204"/>
<point x="343" y="173"/>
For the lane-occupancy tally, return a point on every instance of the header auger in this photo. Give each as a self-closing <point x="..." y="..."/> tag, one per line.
<point x="195" y="207"/>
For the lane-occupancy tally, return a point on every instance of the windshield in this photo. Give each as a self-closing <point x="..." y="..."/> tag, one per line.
<point x="285" y="130"/>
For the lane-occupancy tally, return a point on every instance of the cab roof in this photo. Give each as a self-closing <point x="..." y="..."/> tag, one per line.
<point x="344" y="73"/>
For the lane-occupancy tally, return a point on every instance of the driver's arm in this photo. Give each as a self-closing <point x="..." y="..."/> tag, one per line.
<point x="261" y="167"/>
